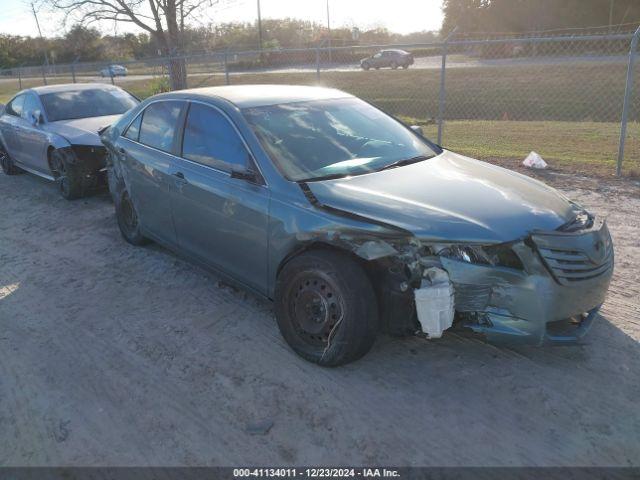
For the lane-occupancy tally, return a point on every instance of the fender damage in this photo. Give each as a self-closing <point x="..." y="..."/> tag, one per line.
<point x="546" y="286"/>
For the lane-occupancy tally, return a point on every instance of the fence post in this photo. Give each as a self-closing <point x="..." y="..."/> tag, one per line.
<point x="73" y="72"/>
<point x="226" y="68"/>
<point x="318" y="63"/>
<point x="442" y="100"/>
<point x="627" y="100"/>
<point x="20" y="77"/>
<point x="44" y="75"/>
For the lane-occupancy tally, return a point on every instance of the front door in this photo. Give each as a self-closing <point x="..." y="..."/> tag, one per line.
<point x="32" y="138"/>
<point x="219" y="219"/>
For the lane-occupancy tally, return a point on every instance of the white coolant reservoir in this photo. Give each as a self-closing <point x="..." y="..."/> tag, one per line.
<point x="434" y="302"/>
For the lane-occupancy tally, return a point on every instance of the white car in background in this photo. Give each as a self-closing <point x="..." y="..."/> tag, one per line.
<point x="114" y="71"/>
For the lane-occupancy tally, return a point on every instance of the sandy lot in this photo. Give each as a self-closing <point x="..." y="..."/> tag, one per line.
<point x="116" y="355"/>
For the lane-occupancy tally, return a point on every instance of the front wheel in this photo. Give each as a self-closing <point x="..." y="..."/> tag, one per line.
<point x="67" y="174"/>
<point x="366" y="66"/>
<point x="326" y="308"/>
<point x="394" y="65"/>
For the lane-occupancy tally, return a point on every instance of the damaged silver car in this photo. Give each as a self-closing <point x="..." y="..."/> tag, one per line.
<point x="52" y="132"/>
<point x="352" y="222"/>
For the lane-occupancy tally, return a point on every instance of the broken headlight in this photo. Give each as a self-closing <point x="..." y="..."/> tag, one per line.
<point x="493" y="255"/>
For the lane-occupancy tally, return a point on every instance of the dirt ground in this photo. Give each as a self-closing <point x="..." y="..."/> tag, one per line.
<point x="116" y="355"/>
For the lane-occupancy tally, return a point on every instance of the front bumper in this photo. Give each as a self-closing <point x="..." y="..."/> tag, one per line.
<point x="536" y="306"/>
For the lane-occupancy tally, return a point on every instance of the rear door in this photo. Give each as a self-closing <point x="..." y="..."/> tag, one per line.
<point x="219" y="219"/>
<point x="147" y="149"/>
<point x="10" y="123"/>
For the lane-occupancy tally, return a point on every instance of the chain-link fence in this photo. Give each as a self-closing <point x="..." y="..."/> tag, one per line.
<point x="491" y="98"/>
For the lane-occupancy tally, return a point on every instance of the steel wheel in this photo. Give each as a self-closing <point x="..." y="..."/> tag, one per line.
<point x="316" y="307"/>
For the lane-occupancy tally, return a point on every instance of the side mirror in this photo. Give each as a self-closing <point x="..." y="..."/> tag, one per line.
<point x="246" y="175"/>
<point x="418" y="130"/>
<point x="35" y="117"/>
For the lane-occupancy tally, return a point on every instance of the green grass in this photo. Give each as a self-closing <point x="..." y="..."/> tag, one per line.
<point x="573" y="146"/>
<point x="567" y="113"/>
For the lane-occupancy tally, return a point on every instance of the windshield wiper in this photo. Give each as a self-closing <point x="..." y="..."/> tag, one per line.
<point x="405" y="161"/>
<point x="333" y="176"/>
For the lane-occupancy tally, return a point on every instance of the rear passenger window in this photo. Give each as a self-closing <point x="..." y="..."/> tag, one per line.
<point x="159" y="123"/>
<point x="15" y="107"/>
<point x="210" y="139"/>
<point x="133" y="132"/>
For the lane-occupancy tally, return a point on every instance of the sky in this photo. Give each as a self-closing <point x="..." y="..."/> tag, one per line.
<point x="402" y="16"/>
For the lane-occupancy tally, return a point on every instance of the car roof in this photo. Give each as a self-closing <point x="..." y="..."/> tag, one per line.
<point x="71" y="87"/>
<point x="248" y="96"/>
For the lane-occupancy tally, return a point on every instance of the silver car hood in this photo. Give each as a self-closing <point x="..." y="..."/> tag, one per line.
<point x="451" y="198"/>
<point x="82" y="131"/>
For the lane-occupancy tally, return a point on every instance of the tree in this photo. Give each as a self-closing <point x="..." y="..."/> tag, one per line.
<point x="164" y="20"/>
<point x="518" y="16"/>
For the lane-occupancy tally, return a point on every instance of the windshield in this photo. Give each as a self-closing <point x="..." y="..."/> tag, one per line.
<point x="333" y="138"/>
<point x="86" y="103"/>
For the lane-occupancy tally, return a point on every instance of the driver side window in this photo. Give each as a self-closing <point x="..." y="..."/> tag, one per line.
<point x="31" y="104"/>
<point x="211" y="140"/>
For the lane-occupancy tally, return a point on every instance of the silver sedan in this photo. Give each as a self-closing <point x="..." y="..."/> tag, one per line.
<point x="53" y="132"/>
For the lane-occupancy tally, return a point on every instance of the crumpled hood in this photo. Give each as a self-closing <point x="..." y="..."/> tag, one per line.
<point x="82" y="131"/>
<point x="452" y="198"/>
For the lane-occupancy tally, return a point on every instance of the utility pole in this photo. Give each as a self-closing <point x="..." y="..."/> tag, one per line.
<point x="44" y="46"/>
<point x="611" y="5"/>
<point x="259" y="28"/>
<point x="329" y="30"/>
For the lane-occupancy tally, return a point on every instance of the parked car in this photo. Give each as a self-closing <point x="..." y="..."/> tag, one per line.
<point x="387" y="58"/>
<point x="352" y="222"/>
<point x="114" y="71"/>
<point x="52" y="132"/>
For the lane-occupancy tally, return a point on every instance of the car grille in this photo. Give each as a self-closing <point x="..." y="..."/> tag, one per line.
<point x="574" y="264"/>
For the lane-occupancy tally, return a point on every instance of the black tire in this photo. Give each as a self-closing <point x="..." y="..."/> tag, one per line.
<point x="67" y="174"/>
<point x="7" y="165"/>
<point x="394" y="65"/>
<point x="326" y="308"/>
<point x="405" y="66"/>
<point x="366" y="66"/>
<point x="128" y="221"/>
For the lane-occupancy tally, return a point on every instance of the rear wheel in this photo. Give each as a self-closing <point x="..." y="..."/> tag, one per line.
<point x="67" y="175"/>
<point x="7" y="165"/>
<point x="128" y="220"/>
<point x="405" y="66"/>
<point x="326" y="308"/>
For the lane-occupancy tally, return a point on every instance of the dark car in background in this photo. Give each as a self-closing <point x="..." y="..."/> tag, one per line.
<point x="387" y="59"/>
<point x="52" y="132"/>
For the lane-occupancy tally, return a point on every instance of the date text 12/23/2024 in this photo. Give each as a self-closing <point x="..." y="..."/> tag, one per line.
<point x="315" y="473"/>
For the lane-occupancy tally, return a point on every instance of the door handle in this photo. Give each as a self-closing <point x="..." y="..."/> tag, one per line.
<point x="179" y="177"/>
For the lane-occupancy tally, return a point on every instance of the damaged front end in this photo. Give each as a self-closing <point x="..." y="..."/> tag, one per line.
<point x="546" y="287"/>
<point x="87" y="161"/>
